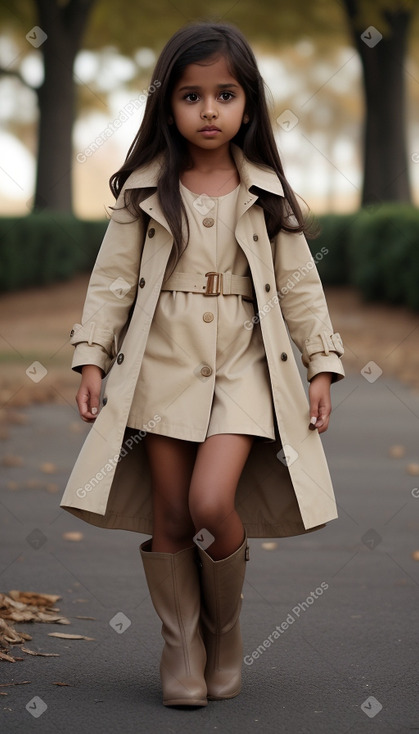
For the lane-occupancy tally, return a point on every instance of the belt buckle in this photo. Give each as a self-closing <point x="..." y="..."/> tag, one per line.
<point x="214" y="284"/>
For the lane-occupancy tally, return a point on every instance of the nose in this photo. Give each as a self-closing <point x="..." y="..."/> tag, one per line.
<point x="209" y="111"/>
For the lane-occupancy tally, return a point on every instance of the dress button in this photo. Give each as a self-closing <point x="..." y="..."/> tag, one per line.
<point x="208" y="316"/>
<point x="206" y="371"/>
<point x="120" y="358"/>
<point x="255" y="238"/>
<point x="151" y="232"/>
<point x="208" y="222"/>
<point x="142" y="283"/>
<point x="284" y="356"/>
<point x="267" y="287"/>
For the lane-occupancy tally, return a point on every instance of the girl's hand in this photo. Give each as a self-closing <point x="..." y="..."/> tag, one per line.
<point x="320" y="403"/>
<point x="87" y="397"/>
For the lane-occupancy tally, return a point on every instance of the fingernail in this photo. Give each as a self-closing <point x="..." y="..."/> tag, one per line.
<point x="94" y="411"/>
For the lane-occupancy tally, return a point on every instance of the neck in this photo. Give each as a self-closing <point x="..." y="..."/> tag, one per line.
<point x="211" y="160"/>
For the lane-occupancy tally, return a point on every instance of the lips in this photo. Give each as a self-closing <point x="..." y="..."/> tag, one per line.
<point x="209" y="128"/>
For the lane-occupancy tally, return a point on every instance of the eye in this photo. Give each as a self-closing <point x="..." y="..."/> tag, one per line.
<point x="226" y="96"/>
<point x="191" y="96"/>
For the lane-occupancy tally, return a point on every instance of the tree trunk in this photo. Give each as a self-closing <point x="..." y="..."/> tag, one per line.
<point x="64" y="26"/>
<point x="386" y="174"/>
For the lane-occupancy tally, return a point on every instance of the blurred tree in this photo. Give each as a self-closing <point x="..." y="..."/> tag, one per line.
<point x="380" y="33"/>
<point x="58" y="34"/>
<point x="132" y="25"/>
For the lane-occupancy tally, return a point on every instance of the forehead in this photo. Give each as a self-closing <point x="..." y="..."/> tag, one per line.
<point x="211" y="71"/>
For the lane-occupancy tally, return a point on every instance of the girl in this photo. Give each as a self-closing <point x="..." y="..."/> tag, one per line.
<point x="204" y="438"/>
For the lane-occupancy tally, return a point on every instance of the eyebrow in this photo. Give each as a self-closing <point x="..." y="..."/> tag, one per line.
<point x="196" y="87"/>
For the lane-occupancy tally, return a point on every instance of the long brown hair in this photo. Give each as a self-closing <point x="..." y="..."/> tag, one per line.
<point x="191" y="44"/>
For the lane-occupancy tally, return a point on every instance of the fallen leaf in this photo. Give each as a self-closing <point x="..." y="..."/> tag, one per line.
<point x="33" y="597"/>
<point x="57" y="683"/>
<point x="74" y="535"/>
<point x="11" y="460"/>
<point x="80" y="616"/>
<point x="5" y="656"/>
<point x="269" y="546"/>
<point x="16" y="683"/>
<point x="12" y="485"/>
<point x="397" y="451"/>
<point x="413" y="469"/>
<point x="66" y="636"/>
<point x="48" y="467"/>
<point x="33" y="484"/>
<point x="42" y="654"/>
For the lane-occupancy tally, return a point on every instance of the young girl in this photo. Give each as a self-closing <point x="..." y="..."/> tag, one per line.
<point x="205" y="436"/>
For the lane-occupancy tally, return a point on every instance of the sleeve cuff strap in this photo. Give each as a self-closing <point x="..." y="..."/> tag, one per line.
<point x="91" y="334"/>
<point x="323" y="343"/>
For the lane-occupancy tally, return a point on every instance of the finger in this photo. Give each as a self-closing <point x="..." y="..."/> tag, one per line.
<point x="83" y="402"/>
<point x="323" y="418"/>
<point x="94" y="404"/>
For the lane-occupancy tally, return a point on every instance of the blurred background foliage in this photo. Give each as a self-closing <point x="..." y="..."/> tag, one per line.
<point x="314" y="57"/>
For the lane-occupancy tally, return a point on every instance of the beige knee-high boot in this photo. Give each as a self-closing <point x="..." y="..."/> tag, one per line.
<point x="173" y="582"/>
<point x="222" y="583"/>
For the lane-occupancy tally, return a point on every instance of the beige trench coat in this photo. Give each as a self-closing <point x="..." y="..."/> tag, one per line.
<point x="285" y="487"/>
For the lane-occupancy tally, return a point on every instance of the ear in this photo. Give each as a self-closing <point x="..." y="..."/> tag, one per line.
<point x="245" y="119"/>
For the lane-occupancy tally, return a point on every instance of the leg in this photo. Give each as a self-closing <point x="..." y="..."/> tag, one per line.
<point x="172" y="574"/>
<point x="218" y="466"/>
<point x="217" y="470"/>
<point x="171" y="462"/>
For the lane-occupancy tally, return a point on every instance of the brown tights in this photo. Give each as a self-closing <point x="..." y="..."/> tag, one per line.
<point x="194" y="486"/>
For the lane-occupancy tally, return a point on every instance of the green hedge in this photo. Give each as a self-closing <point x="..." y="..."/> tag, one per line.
<point x="376" y="250"/>
<point x="46" y="247"/>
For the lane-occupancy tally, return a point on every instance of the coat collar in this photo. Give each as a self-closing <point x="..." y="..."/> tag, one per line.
<point x="251" y="174"/>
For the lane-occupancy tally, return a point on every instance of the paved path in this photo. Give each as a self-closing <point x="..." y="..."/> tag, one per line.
<point x="346" y="652"/>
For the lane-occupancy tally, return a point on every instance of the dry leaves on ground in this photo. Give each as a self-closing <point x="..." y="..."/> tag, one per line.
<point x="25" y="606"/>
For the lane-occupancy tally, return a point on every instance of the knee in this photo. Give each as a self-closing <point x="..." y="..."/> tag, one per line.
<point x="209" y="512"/>
<point x="174" y="523"/>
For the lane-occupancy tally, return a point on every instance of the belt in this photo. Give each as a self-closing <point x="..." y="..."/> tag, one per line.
<point x="211" y="284"/>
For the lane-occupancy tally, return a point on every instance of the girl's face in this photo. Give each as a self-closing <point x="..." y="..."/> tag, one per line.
<point x="208" y="104"/>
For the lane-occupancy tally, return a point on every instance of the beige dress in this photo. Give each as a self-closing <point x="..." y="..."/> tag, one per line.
<point x="228" y="391"/>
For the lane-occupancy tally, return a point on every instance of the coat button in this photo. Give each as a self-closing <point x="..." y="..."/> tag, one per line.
<point x="151" y="232"/>
<point x="206" y="370"/>
<point x="208" y="317"/>
<point x="142" y="283"/>
<point x="267" y="287"/>
<point x="284" y="356"/>
<point x="104" y="401"/>
<point x="72" y="332"/>
<point x="208" y="222"/>
<point x="255" y="238"/>
<point x="120" y="358"/>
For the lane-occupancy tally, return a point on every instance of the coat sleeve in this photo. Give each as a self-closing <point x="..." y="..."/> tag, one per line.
<point x="304" y="306"/>
<point x="111" y="291"/>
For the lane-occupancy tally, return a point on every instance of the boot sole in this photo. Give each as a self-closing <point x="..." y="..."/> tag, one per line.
<point x="186" y="702"/>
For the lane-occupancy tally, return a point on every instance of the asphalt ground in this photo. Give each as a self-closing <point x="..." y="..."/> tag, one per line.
<point x="345" y="661"/>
